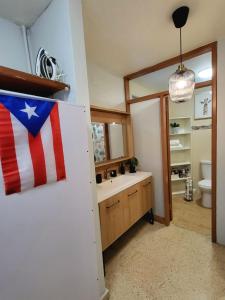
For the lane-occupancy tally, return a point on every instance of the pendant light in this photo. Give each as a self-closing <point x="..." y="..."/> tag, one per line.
<point x="182" y="82"/>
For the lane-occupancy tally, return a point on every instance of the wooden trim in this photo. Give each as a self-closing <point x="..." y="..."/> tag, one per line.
<point x="203" y="84"/>
<point x="111" y="163"/>
<point x="127" y="94"/>
<point x="159" y="219"/>
<point x="147" y="97"/>
<point x="107" y="110"/>
<point x="164" y="115"/>
<point x="107" y="146"/>
<point x="198" y="85"/>
<point x="171" y="61"/>
<point x="214" y="142"/>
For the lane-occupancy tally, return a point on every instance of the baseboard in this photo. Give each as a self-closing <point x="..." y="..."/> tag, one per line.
<point x="105" y="296"/>
<point x="159" y="219"/>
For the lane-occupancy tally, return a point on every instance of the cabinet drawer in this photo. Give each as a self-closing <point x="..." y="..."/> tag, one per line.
<point x="111" y="219"/>
<point x="133" y="197"/>
<point x="146" y="199"/>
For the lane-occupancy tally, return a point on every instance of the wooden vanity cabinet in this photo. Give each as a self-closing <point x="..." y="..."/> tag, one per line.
<point x="120" y="212"/>
<point x="147" y="195"/>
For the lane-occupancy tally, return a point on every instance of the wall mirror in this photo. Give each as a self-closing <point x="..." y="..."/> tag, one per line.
<point x="112" y="136"/>
<point x="109" y="141"/>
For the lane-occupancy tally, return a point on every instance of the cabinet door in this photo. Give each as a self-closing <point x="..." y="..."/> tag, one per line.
<point x="111" y="219"/>
<point x="146" y="200"/>
<point x="134" y="202"/>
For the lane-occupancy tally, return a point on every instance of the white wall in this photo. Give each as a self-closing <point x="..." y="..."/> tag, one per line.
<point x="12" y="50"/>
<point x="221" y="143"/>
<point x="47" y="234"/>
<point x="82" y="97"/>
<point x="147" y="145"/>
<point x="106" y="89"/>
<point x="52" y="31"/>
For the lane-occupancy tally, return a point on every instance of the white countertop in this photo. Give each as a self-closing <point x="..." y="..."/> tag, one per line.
<point x="117" y="184"/>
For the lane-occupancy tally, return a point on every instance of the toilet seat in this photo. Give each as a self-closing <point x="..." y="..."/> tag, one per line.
<point x="205" y="184"/>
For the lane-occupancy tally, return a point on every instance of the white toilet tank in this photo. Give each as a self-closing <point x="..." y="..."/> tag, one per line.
<point x="206" y="169"/>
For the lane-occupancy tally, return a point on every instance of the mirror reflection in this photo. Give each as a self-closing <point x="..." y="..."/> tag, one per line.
<point x="108" y="141"/>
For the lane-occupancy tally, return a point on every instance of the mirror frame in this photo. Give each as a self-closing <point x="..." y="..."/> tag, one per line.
<point x="103" y="115"/>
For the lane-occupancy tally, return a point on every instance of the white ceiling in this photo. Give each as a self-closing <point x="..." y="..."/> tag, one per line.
<point x="22" y="11"/>
<point x="127" y="35"/>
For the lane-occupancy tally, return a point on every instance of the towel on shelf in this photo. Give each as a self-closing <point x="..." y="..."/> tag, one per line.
<point x="174" y="142"/>
<point x="175" y="147"/>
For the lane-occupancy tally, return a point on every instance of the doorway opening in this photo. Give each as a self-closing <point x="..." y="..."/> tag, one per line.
<point x="195" y="126"/>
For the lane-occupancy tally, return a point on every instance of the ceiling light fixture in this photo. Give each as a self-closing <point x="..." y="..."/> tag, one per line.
<point x="205" y="74"/>
<point x="182" y="82"/>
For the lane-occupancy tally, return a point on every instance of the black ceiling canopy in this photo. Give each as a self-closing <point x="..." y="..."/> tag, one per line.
<point x="180" y="16"/>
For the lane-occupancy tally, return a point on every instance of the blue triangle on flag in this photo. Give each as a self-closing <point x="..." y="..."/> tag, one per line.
<point x="30" y="112"/>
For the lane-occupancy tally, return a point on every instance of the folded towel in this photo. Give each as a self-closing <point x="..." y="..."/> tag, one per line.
<point x="174" y="142"/>
<point x="176" y="147"/>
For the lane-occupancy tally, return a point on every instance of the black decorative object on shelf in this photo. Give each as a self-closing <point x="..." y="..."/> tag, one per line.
<point x="122" y="169"/>
<point x="99" y="178"/>
<point x="133" y="162"/>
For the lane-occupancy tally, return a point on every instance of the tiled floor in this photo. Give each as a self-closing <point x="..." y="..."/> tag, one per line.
<point x="192" y="216"/>
<point x="158" y="262"/>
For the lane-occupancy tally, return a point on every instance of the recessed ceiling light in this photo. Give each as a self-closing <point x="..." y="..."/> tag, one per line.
<point x="206" y="73"/>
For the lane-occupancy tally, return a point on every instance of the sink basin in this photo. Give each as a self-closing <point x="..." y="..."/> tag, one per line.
<point x="116" y="185"/>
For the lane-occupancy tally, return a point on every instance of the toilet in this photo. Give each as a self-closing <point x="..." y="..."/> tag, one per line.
<point x="205" y="184"/>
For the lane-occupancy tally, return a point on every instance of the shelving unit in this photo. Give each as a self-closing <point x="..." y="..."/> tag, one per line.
<point x="21" y="82"/>
<point x="181" y="157"/>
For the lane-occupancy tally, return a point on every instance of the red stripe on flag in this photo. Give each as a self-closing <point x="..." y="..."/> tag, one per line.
<point x="8" y="157"/>
<point x="38" y="159"/>
<point x="57" y="143"/>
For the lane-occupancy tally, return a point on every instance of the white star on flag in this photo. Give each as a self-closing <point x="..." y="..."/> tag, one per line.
<point x="30" y="111"/>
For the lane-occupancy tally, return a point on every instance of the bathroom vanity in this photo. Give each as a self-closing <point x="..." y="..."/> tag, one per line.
<point x="122" y="202"/>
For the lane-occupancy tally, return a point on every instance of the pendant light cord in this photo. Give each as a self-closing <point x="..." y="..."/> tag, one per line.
<point x="181" y="60"/>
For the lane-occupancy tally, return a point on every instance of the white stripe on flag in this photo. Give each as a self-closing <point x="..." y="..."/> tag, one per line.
<point x="47" y="141"/>
<point x="23" y="155"/>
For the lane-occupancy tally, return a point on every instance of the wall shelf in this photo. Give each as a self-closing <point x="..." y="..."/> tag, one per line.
<point x="181" y="157"/>
<point x="184" y="163"/>
<point x="180" y="133"/>
<point x="178" y="193"/>
<point x="180" y="179"/>
<point x="181" y="149"/>
<point x="21" y="82"/>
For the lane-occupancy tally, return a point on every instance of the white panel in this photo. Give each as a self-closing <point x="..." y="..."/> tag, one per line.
<point x="47" y="235"/>
<point x="52" y="30"/>
<point x="147" y="145"/>
<point x="221" y="144"/>
<point x="12" y="50"/>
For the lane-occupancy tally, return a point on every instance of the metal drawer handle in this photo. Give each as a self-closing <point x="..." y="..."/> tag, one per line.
<point x="115" y="203"/>
<point x="147" y="183"/>
<point x="132" y="193"/>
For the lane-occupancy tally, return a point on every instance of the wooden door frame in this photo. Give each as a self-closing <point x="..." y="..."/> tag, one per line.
<point x="212" y="47"/>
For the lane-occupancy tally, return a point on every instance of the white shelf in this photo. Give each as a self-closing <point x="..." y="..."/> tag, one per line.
<point x="180" y="118"/>
<point x="180" y="133"/>
<point x="184" y="163"/>
<point x="182" y="149"/>
<point x="178" y="193"/>
<point x="180" y="179"/>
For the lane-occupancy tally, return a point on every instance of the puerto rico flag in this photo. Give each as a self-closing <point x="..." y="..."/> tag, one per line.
<point x="31" y="150"/>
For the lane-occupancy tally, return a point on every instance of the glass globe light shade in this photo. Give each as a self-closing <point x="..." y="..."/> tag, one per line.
<point x="181" y="84"/>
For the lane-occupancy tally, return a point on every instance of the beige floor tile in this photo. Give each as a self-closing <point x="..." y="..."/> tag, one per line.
<point x="158" y="262"/>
